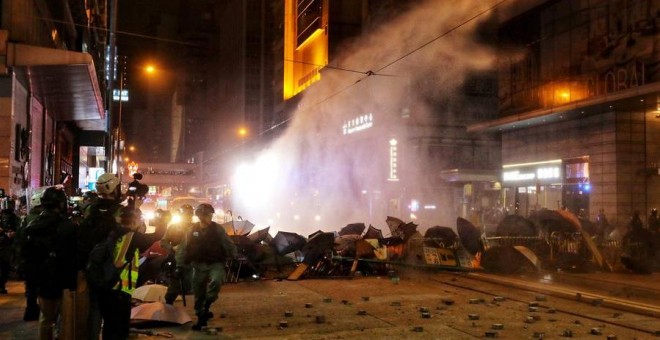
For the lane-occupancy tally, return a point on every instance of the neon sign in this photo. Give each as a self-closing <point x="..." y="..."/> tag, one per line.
<point x="358" y="124"/>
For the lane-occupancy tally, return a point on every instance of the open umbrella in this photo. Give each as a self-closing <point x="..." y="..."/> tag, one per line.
<point x="509" y="260"/>
<point x="393" y="223"/>
<point x="554" y="220"/>
<point x="345" y="245"/>
<point x="373" y="233"/>
<point x="316" y="246"/>
<point x="438" y="236"/>
<point x="406" y="230"/>
<point x="286" y="242"/>
<point x="260" y="236"/>
<point x="238" y="226"/>
<point x="516" y="225"/>
<point x="158" y="311"/>
<point x="352" y="229"/>
<point x="150" y="293"/>
<point x="470" y="236"/>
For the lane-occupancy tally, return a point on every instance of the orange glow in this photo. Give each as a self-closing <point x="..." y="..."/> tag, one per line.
<point x="150" y="69"/>
<point x="126" y="159"/>
<point x="303" y="63"/>
<point x="242" y="132"/>
<point x="131" y="148"/>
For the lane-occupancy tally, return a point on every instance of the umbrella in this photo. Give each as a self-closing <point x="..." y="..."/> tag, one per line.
<point x="238" y="227"/>
<point x="556" y="220"/>
<point x="441" y="234"/>
<point x="393" y="223"/>
<point x="470" y="236"/>
<point x="570" y="217"/>
<point x="150" y="293"/>
<point x="315" y="233"/>
<point x="316" y="246"/>
<point x="364" y="249"/>
<point x="406" y="230"/>
<point x="509" y="259"/>
<point x="158" y="311"/>
<point x="286" y="242"/>
<point x="352" y="229"/>
<point x="260" y="236"/>
<point x="373" y="233"/>
<point x="345" y="245"/>
<point x="515" y="225"/>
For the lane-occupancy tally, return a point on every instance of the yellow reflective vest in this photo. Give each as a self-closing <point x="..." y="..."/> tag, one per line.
<point x="129" y="273"/>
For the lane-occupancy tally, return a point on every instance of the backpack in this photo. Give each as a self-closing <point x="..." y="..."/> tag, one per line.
<point x="40" y="239"/>
<point x="95" y="228"/>
<point x="100" y="267"/>
<point x="40" y="250"/>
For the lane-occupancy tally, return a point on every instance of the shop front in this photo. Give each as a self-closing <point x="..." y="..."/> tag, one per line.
<point x="531" y="186"/>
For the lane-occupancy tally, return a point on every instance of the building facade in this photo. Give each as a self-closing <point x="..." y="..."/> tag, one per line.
<point x="52" y="116"/>
<point x="579" y="106"/>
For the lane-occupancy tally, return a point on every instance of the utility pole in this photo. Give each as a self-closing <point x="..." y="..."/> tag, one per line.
<point x="110" y="68"/>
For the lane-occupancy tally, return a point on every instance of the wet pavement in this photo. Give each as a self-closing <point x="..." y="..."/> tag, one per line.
<point x="415" y="305"/>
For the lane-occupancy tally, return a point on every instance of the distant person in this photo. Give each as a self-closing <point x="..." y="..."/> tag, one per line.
<point x="635" y="221"/>
<point x="639" y="247"/>
<point x="180" y="279"/>
<point x="206" y="248"/>
<point x="9" y="223"/>
<point x="602" y="224"/>
<point x="161" y="220"/>
<point x="654" y="221"/>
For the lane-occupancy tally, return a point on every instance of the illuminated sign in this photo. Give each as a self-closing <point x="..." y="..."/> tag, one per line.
<point x="544" y="173"/>
<point x="358" y="124"/>
<point x="124" y="95"/>
<point x="393" y="177"/>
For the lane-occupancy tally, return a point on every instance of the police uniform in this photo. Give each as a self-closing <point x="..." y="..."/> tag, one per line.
<point x="206" y="249"/>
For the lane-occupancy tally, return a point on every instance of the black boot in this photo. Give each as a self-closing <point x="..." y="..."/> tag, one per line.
<point x="31" y="313"/>
<point x="201" y="323"/>
<point x="207" y="311"/>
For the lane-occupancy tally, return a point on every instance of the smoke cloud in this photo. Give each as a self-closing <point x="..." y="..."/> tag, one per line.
<point x="315" y="177"/>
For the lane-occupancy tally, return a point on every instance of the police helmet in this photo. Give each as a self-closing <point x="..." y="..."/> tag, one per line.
<point x="186" y="209"/>
<point x="204" y="209"/>
<point x="54" y="198"/>
<point x="107" y="183"/>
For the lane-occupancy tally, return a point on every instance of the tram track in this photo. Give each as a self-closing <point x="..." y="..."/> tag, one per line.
<point x="512" y="290"/>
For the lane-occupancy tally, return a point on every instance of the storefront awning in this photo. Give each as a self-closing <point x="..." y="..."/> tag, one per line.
<point x="469" y="175"/>
<point x="633" y="98"/>
<point x="65" y="82"/>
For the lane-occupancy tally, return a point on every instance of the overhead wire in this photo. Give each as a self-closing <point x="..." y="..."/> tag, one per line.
<point x="366" y="75"/>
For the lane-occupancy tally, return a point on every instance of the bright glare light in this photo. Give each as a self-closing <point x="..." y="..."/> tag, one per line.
<point x="131" y="148"/>
<point x="254" y="183"/>
<point x="317" y="218"/>
<point x="150" y="69"/>
<point x="176" y="218"/>
<point x="242" y="132"/>
<point x="296" y="217"/>
<point x="149" y="215"/>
